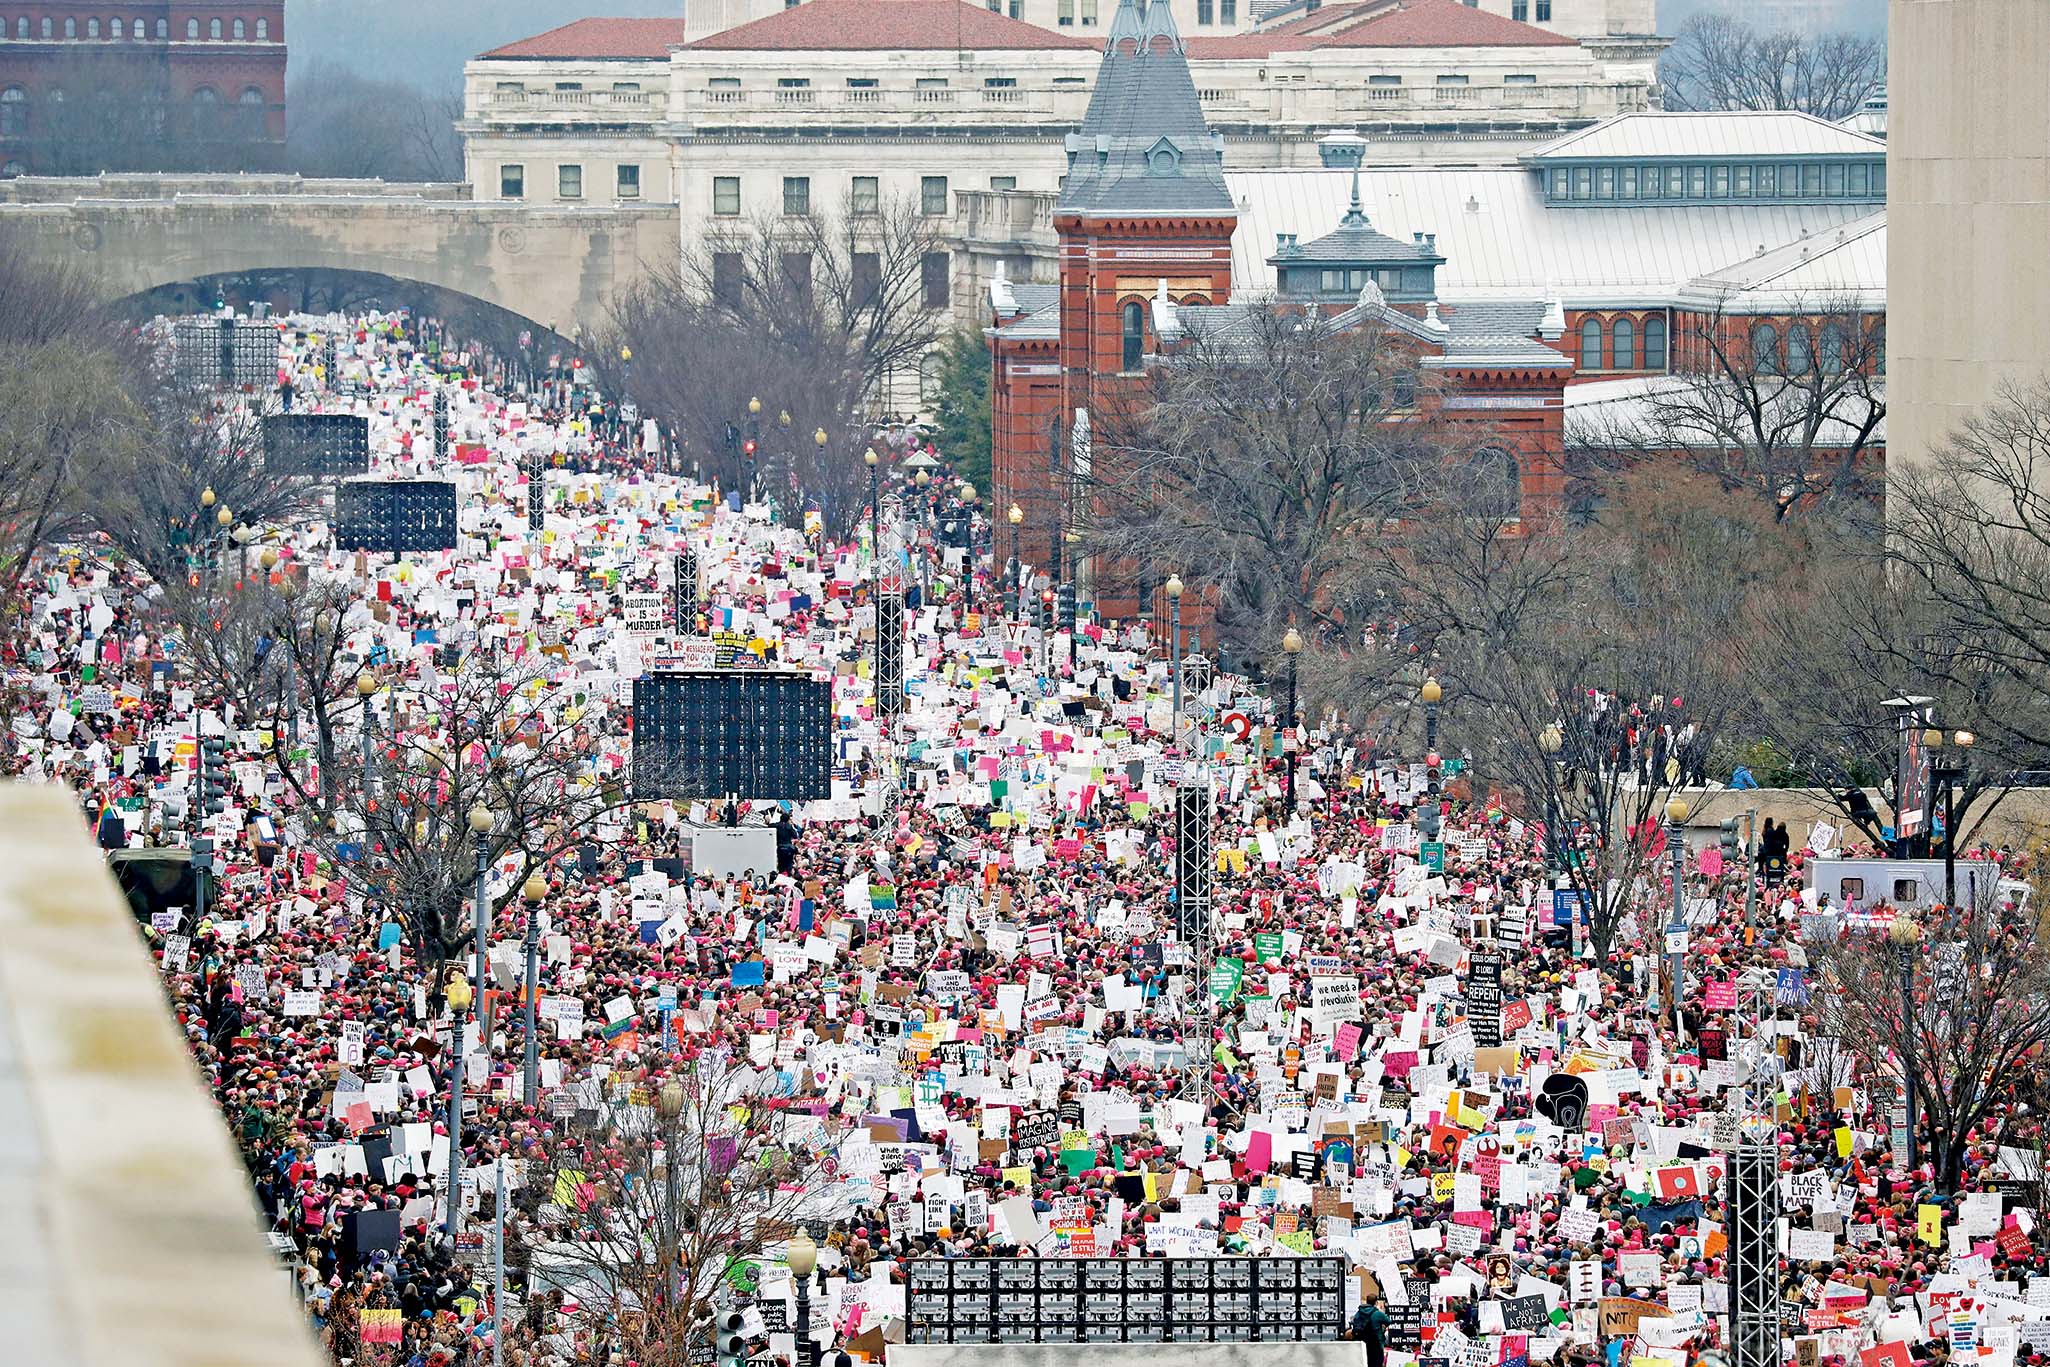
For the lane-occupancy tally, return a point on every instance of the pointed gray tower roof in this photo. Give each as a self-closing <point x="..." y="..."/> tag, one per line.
<point x="1144" y="149"/>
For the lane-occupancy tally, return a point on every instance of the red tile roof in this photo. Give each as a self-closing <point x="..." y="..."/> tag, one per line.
<point x="1376" y="24"/>
<point x="600" y="38"/>
<point x="871" y="25"/>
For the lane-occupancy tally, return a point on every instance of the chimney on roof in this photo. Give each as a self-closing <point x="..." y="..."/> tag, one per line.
<point x="1284" y="244"/>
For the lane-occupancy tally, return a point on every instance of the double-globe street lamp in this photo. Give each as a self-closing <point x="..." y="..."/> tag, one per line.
<point x="1949" y="773"/>
<point x="1291" y="646"/>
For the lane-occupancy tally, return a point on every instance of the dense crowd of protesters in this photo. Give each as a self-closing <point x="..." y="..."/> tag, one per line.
<point x="974" y="943"/>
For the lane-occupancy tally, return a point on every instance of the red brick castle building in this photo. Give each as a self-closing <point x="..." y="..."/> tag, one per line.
<point x="141" y="85"/>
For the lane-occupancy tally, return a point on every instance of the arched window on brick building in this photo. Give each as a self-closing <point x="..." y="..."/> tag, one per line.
<point x="191" y="30"/>
<point x="1591" y="344"/>
<point x="1132" y="354"/>
<point x="213" y="29"/>
<point x="263" y="30"/>
<point x="1832" y="349"/>
<point x="240" y="31"/>
<point x="13" y="112"/>
<point x="250" y="108"/>
<point x="1654" y="343"/>
<point x="1623" y="344"/>
<point x="1798" y="357"/>
<point x="1765" y="350"/>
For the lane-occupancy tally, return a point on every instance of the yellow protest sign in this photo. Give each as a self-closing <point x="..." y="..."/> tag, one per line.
<point x="1929" y="1225"/>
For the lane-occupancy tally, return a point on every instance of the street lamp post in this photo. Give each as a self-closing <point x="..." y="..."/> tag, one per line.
<point x="803" y="1256"/>
<point x="968" y="498"/>
<point x="366" y="688"/>
<point x="875" y="545"/>
<point x="480" y="831"/>
<point x="1016" y="517"/>
<point x="461" y="998"/>
<point x="1292" y="646"/>
<point x="1948" y="773"/>
<point x="1906" y="936"/>
<point x="532" y="891"/>
<point x="669" y="1105"/>
<point x="242" y="536"/>
<point x="923" y="502"/>
<point x="1552" y="740"/>
<point x="1676" y="836"/>
<point x="1431" y="693"/>
<point x="224" y="518"/>
<point x="1174" y="611"/>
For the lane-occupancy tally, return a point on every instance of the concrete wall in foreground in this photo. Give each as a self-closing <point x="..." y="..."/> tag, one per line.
<point x="129" y="1236"/>
<point x="1968" y="211"/>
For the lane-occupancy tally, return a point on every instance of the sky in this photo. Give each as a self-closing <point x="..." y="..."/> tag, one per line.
<point x="426" y="42"/>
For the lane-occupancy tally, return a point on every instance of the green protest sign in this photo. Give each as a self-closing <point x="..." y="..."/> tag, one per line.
<point x="1225" y="979"/>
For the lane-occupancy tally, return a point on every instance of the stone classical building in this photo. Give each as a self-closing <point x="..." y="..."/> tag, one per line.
<point x="939" y="91"/>
<point x="1636" y="224"/>
<point x="1577" y="19"/>
<point x="141" y="85"/>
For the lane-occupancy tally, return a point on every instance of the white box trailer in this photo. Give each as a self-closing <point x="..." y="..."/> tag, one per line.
<point x="1916" y="883"/>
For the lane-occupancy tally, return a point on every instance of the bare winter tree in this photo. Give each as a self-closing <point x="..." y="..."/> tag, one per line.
<point x="152" y="502"/>
<point x="65" y="414"/>
<point x="1969" y="532"/>
<point x="391" y="814"/>
<point x="275" y="646"/>
<point x="67" y="407"/>
<point x="1849" y="630"/>
<point x="350" y="125"/>
<point x="1960" y="1010"/>
<point x="1266" y="446"/>
<point x="1790" y="414"/>
<point x="1586" y="671"/>
<point x="1720" y="62"/>
<point x="675" y="1193"/>
<point x="820" y="315"/>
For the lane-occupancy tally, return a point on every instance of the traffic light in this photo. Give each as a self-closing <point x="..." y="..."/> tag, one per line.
<point x="213" y="775"/>
<point x="1067" y="607"/>
<point x="1044" y="619"/>
<point x="732" y="436"/>
<point x="1730" y="843"/>
<point x="728" y="1343"/>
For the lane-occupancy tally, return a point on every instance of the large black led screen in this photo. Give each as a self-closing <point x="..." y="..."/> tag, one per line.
<point x="761" y="736"/>
<point x="319" y="444"/>
<point x="243" y="354"/>
<point x="395" y="516"/>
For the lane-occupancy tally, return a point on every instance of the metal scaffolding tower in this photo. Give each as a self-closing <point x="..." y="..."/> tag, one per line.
<point x="889" y="652"/>
<point x="683" y="592"/>
<point x="1754" y="1207"/>
<point x="1193" y="870"/>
